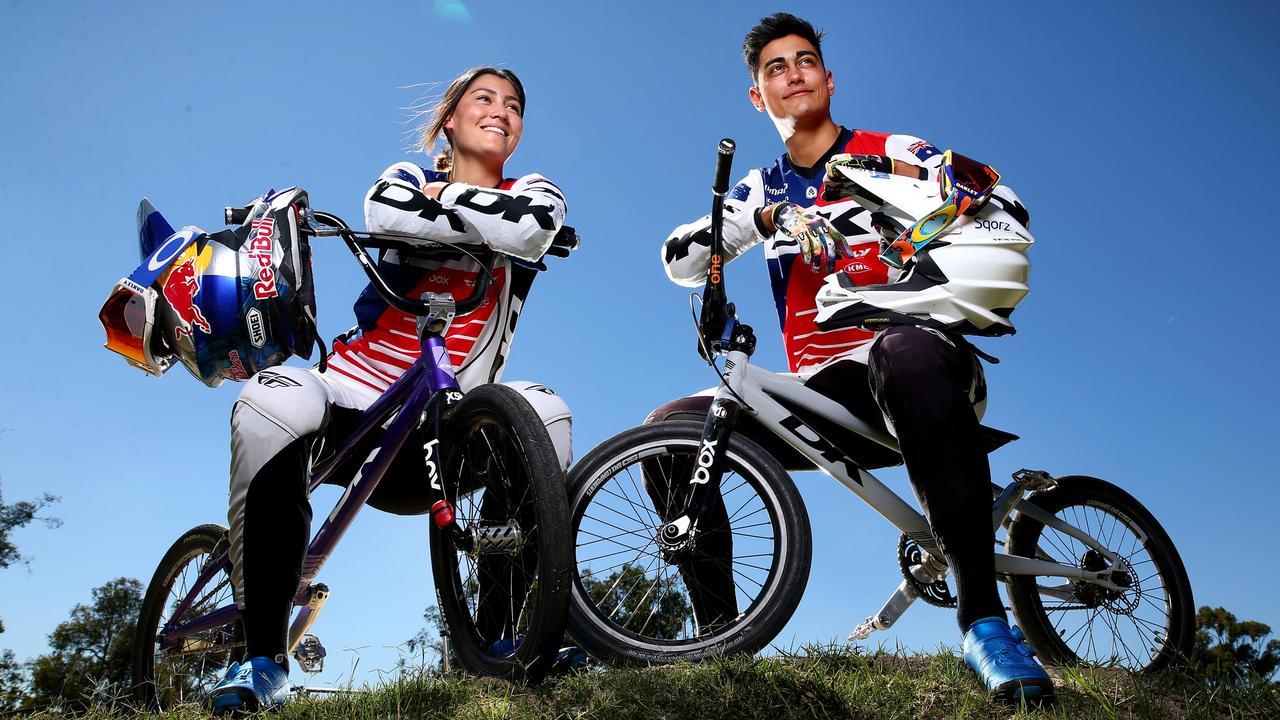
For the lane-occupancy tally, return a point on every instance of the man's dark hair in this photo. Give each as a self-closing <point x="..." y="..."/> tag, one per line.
<point x="773" y="27"/>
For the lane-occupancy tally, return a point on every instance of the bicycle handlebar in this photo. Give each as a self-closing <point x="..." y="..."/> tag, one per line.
<point x="724" y="161"/>
<point x="482" y="254"/>
<point x="715" y="307"/>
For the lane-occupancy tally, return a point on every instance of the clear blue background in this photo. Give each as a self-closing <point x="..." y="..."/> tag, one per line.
<point x="1140" y="135"/>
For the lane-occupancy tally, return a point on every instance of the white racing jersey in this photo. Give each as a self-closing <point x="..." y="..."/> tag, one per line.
<point x="519" y="220"/>
<point x="686" y="252"/>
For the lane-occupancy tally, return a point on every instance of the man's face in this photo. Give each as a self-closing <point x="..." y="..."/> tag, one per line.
<point x="791" y="83"/>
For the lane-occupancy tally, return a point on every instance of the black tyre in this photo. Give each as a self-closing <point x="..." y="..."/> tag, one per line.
<point x="731" y="591"/>
<point x="1145" y="627"/>
<point x="187" y="672"/>
<point x="504" y="602"/>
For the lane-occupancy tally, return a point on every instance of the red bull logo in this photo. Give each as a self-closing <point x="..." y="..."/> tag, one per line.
<point x="180" y="290"/>
<point x="236" y="370"/>
<point x="261" y="246"/>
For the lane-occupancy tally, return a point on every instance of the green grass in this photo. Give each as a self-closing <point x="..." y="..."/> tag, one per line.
<point x="819" y="683"/>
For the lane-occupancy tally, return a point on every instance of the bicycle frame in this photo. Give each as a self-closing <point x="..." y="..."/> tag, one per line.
<point x="759" y="388"/>
<point x="419" y="398"/>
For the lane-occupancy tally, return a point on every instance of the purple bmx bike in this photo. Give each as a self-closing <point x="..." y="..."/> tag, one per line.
<point x="499" y="530"/>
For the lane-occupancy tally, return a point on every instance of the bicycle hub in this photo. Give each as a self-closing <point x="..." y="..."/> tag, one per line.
<point x="497" y="539"/>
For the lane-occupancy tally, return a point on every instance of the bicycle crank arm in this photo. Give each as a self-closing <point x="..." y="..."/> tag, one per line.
<point x="315" y="596"/>
<point x="893" y="608"/>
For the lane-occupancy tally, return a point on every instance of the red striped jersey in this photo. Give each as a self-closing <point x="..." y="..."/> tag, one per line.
<point x="519" y="219"/>
<point x="685" y="253"/>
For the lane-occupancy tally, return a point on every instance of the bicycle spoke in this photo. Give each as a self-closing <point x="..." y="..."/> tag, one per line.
<point x="640" y="493"/>
<point x="603" y="538"/>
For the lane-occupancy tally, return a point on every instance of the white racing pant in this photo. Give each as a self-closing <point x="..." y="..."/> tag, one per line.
<point x="286" y="405"/>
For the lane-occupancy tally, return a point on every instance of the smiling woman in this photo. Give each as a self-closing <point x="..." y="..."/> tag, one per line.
<point x="482" y="99"/>
<point x="277" y="421"/>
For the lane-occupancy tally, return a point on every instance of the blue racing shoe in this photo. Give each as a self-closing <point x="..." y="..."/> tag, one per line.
<point x="506" y="647"/>
<point x="1006" y="664"/>
<point x="568" y="660"/>
<point x="256" y="684"/>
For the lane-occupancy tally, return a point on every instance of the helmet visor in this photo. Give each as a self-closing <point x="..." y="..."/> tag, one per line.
<point x="968" y="176"/>
<point x="127" y="317"/>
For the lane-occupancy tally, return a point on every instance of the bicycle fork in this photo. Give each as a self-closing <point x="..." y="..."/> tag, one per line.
<point x="935" y="568"/>
<point x="709" y="464"/>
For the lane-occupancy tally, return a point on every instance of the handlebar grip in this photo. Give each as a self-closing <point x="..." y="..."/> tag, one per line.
<point x="235" y="216"/>
<point x="724" y="161"/>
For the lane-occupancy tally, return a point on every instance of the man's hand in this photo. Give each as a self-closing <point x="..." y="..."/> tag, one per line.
<point x="838" y="186"/>
<point x="819" y="242"/>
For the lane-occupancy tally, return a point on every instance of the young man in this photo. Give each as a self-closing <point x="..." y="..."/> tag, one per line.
<point x="927" y="383"/>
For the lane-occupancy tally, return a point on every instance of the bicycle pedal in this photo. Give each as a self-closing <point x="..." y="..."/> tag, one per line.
<point x="863" y="631"/>
<point x="1034" y="480"/>
<point x="310" y="654"/>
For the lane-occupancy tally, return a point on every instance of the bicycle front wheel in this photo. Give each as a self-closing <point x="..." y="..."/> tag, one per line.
<point x="187" y="671"/>
<point x="730" y="590"/>
<point x="1145" y="626"/>
<point x="504" y="598"/>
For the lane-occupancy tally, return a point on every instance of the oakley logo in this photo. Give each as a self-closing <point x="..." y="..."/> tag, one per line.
<point x="844" y="221"/>
<point x="169" y="249"/>
<point x="677" y="248"/>
<point x="512" y="208"/>
<point x="401" y="198"/>
<point x="817" y="442"/>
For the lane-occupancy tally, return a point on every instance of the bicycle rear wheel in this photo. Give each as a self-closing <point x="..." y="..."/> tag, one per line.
<point x="730" y="591"/>
<point x="188" y="671"/>
<point x="1142" y="628"/>
<point x="505" y="600"/>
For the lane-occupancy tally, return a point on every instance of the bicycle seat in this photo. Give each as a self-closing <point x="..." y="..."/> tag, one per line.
<point x="993" y="439"/>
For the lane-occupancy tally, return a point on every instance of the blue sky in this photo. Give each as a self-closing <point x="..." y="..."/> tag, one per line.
<point x="1138" y="135"/>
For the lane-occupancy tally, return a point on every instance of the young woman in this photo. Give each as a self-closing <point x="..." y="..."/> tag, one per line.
<point x="282" y="412"/>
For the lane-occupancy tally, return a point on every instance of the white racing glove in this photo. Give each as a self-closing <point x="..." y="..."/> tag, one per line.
<point x="820" y="243"/>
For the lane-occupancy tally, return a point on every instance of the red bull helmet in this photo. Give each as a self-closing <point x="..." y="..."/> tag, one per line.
<point x="225" y="305"/>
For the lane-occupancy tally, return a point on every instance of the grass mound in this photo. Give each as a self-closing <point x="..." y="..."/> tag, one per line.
<point x="817" y="683"/>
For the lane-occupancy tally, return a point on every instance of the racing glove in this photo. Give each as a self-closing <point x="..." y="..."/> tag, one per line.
<point x="819" y="242"/>
<point x="837" y="186"/>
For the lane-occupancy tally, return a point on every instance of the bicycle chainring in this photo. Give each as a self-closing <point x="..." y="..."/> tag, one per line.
<point x="936" y="593"/>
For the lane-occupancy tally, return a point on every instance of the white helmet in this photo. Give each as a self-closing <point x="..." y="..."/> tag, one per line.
<point x="968" y="280"/>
